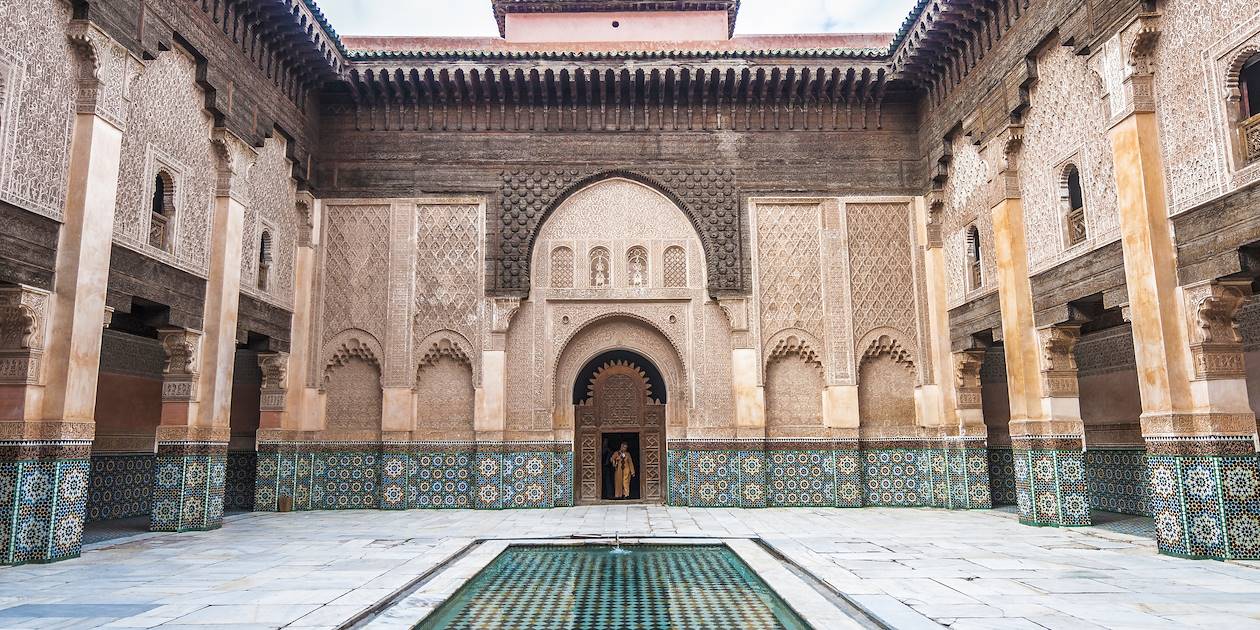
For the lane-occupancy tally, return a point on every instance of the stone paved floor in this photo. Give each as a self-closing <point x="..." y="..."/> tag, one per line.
<point x="976" y="569"/>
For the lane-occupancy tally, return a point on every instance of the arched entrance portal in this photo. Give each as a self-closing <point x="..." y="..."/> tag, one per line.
<point x="619" y="396"/>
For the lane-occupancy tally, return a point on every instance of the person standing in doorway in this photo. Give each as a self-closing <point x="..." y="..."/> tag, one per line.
<point x="623" y="471"/>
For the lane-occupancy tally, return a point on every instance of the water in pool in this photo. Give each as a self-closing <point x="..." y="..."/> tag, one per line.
<point x="653" y="587"/>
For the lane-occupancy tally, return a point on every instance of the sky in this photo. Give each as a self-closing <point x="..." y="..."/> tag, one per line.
<point x="474" y="17"/>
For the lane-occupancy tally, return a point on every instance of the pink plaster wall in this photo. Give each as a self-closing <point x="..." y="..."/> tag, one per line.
<point x="633" y="26"/>
<point x="1111" y="400"/>
<point x="127" y="405"/>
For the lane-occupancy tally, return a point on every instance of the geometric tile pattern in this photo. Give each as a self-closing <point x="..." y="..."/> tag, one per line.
<point x="1050" y="487"/>
<point x="43" y="501"/>
<point x="238" y="488"/>
<point x="1002" y="476"/>
<point x="413" y="475"/>
<point x="188" y="486"/>
<point x="950" y="477"/>
<point x="1118" y="480"/>
<point x="1206" y="506"/>
<point x="121" y="486"/>
<point x="651" y="588"/>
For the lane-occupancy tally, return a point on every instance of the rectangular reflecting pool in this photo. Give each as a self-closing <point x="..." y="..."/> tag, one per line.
<point x="643" y="587"/>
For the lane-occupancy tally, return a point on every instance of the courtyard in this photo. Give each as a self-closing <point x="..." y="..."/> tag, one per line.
<point x="906" y="568"/>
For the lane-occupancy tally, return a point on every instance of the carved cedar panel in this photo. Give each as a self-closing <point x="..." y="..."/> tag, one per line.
<point x="448" y="293"/>
<point x="38" y="73"/>
<point x="356" y="255"/>
<point x="881" y="267"/>
<point x="168" y="124"/>
<point x="789" y="268"/>
<point x="272" y="202"/>
<point x="708" y="197"/>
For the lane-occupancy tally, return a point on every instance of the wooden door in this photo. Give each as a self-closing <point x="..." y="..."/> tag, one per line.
<point x="619" y="400"/>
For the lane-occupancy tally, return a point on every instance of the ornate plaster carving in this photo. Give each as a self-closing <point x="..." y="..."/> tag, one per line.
<point x="23" y="325"/>
<point x="1058" y="360"/>
<point x="1215" y="343"/>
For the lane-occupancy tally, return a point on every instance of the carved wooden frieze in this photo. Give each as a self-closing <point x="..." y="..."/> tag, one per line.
<point x="709" y="198"/>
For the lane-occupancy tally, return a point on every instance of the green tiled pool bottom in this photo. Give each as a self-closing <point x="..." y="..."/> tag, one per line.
<point x="581" y="587"/>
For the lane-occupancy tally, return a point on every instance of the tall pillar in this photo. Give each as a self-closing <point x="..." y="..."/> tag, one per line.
<point x="1199" y="428"/>
<point x="1046" y="438"/>
<point x="50" y="343"/>
<point x="192" y="440"/>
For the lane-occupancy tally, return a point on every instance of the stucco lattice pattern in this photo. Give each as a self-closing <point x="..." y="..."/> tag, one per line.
<point x="790" y="273"/>
<point x="356" y="254"/>
<point x="448" y="269"/>
<point x="880" y="260"/>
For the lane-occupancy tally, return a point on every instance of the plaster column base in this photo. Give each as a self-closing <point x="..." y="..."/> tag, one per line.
<point x="43" y="499"/>
<point x="1050" y="483"/>
<point x="1205" y="496"/>
<point x="188" y="486"/>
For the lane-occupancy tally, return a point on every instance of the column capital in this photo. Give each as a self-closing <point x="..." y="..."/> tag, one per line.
<point x="967" y="384"/>
<point x="736" y="309"/>
<point x="1057" y="345"/>
<point x="275" y="380"/>
<point x="235" y="158"/>
<point x="105" y="68"/>
<point x="305" y="206"/>
<point x="935" y="201"/>
<point x="1212" y="327"/>
<point x="24" y="312"/>
<point x="179" y="375"/>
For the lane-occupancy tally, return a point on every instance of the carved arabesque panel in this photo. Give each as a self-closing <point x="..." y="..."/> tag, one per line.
<point x="167" y="118"/>
<point x="354" y="396"/>
<point x="272" y="201"/>
<point x="1065" y="90"/>
<point x="39" y="96"/>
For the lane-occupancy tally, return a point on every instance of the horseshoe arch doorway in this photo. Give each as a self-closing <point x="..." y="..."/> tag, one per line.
<point x="619" y="396"/>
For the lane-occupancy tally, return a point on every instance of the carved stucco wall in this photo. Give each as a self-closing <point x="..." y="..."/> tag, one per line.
<point x="445" y="400"/>
<point x="1189" y="92"/>
<point x="794" y="388"/>
<point x="354" y="398"/>
<point x="677" y="323"/>
<point x="1066" y="90"/>
<point x="168" y="128"/>
<point x="886" y="398"/>
<point x="272" y="206"/>
<point x="967" y="203"/>
<point x="37" y="97"/>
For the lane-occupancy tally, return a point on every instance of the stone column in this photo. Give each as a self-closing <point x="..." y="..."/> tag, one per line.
<point x="750" y="395"/>
<point x="192" y="441"/>
<point x="51" y="341"/>
<point x="1046" y="449"/>
<point x="967" y="454"/>
<point x="1049" y="454"/>
<point x="1196" y="419"/>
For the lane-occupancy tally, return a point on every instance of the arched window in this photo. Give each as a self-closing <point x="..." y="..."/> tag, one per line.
<point x="1249" y="90"/>
<point x="264" y="260"/>
<point x="562" y="268"/>
<point x="1249" y="85"/>
<point x="1072" y="199"/>
<point x="162" y="208"/>
<point x="974" y="278"/>
<point x="637" y="266"/>
<point x="601" y="271"/>
<point x="675" y="267"/>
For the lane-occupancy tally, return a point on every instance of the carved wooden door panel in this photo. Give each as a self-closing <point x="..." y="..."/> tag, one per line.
<point x="619" y="400"/>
